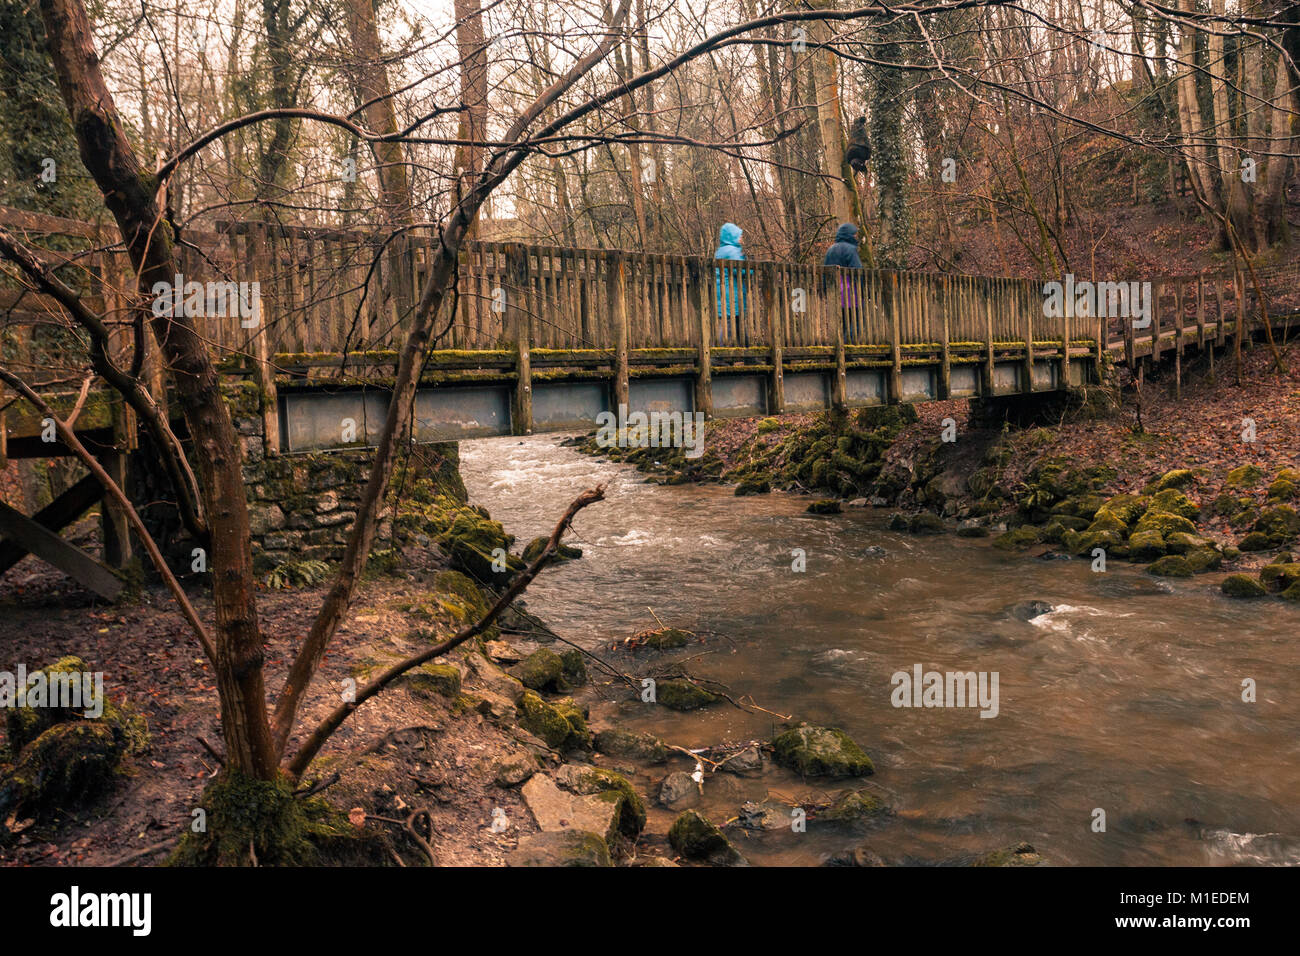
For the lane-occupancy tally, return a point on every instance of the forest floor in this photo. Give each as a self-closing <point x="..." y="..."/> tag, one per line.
<point x="393" y="755"/>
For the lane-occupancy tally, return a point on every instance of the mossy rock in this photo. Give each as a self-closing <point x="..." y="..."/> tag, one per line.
<point x="1164" y="523"/>
<point x="767" y="426"/>
<point x="821" y="752"/>
<point x="1127" y="508"/>
<point x="753" y="486"/>
<point x="1226" y="505"/>
<point x="1291" y="594"/>
<point x="972" y="531"/>
<point x="540" y="670"/>
<point x="1280" y="522"/>
<point x="71" y="763"/>
<point x="625" y="743"/>
<point x="1083" y="506"/>
<point x="249" y="818"/>
<point x="1174" y="502"/>
<point x="1018" y="539"/>
<point x="1146" y="546"/>
<point x="1022" y="854"/>
<point x="1172" y="566"/>
<point x="611" y="786"/>
<point x="1204" y="559"/>
<point x="1279" y="577"/>
<point x="1282" y="490"/>
<point x="663" y="638"/>
<point x="826" y="506"/>
<point x="1244" y="476"/>
<point x="460" y="595"/>
<point x="440" y="679"/>
<point x="1242" y="586"/>
<point x="853" y="807"/>
<point x="480" y="547"/>
<point x="573" y="667"/>
<point x="1230" y="553"/>
<point x="562" y="725"/>
<point x="926" y="523"/>
<point x="695" y="838"/>
<point x="1177" y="478"/>
<point x="1255" y="541"/>
<point x="1107" y="521"/>
<point x="678" y="694"/>
<point x="563" y="552"/>
<point x="1180" y="542"/>
<point x="1086" y="543"/>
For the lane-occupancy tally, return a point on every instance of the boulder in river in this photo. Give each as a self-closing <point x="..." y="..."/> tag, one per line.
<point x="678" y="694"/>
<point x="1242" y="586"/>
<point x="852" y="808"/>
<point x="1028" y="610"/>
<point x="677" y="790"/>
<point x="1022" y="854"/>
<point x="821" y="752"/>
<point x="825" y="506"/>
<point x="624" y="743"/>
<point x="695" y="838"/>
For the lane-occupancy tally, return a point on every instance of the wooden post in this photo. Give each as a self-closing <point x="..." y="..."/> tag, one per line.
<point x="1200" y="310"/>
<point x="1065" y="344"/>
<point x="1021" y="297"/>
<point x="263" y="356"/>
<point x="776" y="382"/>
<point x="839" y="388"/>
<point x="618" y="310"/>
<point x="704" y="327"/>
<point x="1220" y="331"/>
<point x="1178" y="339"/>
<point x="115" y="528"/>
<point x="519" y="322"/>
<point x="987" y="297"/>
<point x="945" y="371"/>
<point x="1157" y="291"/>
<point x="895" y="352"/>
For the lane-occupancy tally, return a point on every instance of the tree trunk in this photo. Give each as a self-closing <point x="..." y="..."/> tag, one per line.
<point x="130" y="196"/>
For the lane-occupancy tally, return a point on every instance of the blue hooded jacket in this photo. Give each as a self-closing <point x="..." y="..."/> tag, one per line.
<point x="844" y="251"/>
<point x="731" y="300"/>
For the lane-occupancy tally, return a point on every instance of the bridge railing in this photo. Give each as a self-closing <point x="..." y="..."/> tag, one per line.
<point x="332" y="290"/>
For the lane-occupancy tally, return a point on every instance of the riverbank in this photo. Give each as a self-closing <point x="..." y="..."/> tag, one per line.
<point x="1220" y="459"/>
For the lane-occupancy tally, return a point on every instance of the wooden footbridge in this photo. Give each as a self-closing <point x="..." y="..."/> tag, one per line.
<point x="540" y="338"/>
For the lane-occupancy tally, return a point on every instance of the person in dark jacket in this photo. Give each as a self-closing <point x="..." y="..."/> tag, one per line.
<point x="844" y="251"/>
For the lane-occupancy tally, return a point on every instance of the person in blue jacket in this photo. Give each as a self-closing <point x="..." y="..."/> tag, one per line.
<point x="844" y="253"/>
<point x="844" y="250"/>
<point x="730" y="298"/>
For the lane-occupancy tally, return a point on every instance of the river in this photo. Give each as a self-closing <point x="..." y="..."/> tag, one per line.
<point x="1126" y="697"/>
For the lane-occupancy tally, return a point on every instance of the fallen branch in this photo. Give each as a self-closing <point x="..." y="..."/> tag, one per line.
<point x="312" y="745"/>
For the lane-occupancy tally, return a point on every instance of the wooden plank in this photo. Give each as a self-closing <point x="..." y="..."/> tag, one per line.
<point x="618" y="309"/>
<point x="56" y="516"/>
<point x="699" y="295"/>
<point x="49" y="547"/>
<point x="945" y="304"/>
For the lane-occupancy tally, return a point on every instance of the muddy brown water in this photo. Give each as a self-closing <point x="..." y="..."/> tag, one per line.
<point x="1127" y="696"/>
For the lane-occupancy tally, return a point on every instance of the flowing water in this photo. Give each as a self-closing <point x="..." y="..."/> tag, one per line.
<point x="1127" y="696"/>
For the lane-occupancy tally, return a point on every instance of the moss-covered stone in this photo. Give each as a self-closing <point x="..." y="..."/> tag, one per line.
<point x="1018" y="539"/>
<point x="561" y="726"/>
<point x="677" y="694"/>
<point x="853" y="807"/>
<point x="70" y="763"/>
<point x="1282" y="490"/>
<point x="440" y="679"/>
<point x="753" y="486"/>
<point x="638" y="746"/>
<point x="1242" y="586"/>
<point x="1146" y="546"/>
<point x="540" y="670"/>
<point x="821" y="752"/>
<point x="695" y="838"/>
<point x="1174" y="502"/>
<point x="563" y="552"/>
<point x="1291" y="594"/>
<point x="1204" y="559"/>
<point x="926" y="523"/>
<point x="1107" y="521"/>
<point x="825" y="506"/>
<point x="1244" y="476"/>
<point x="1279" y="577"/>
<point x="1180" y="542"/>
<point x="1280" y="523"/>
<point x="662" y="638"/>
<point x="1255" y="541"/>
<point x="561" y="848"/>
<point x="611" y="786"/>
<point x="1022" y="854"/>
<point x="1127" y="508"/>
<point x="1164" y="523"/>
<point x="573" y="668"/>
<point x="1172" y="566"/>
<point x="1176" y="478"/>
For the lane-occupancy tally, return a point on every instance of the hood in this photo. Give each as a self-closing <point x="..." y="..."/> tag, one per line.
<point x="729" y="234"/>
<point x="847" y="233"/>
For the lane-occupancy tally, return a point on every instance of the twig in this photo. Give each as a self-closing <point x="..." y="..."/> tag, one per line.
<point x="145" y="851"/>
<point x="209" y="748"/>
